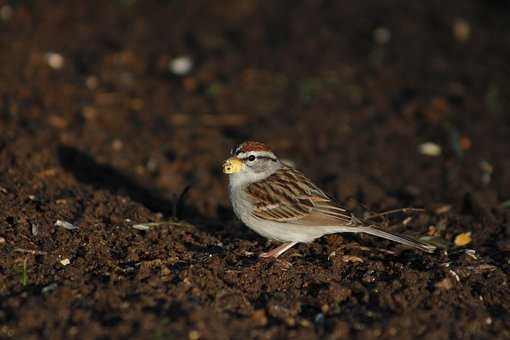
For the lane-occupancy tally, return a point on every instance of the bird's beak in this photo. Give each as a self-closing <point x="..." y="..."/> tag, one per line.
<point x="232" y="166"/>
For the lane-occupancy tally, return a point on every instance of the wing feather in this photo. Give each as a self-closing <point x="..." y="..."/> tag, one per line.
<point x="288" y="196"/>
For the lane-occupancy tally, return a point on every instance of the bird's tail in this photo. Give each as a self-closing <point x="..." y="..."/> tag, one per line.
<point x="407" y="240"/>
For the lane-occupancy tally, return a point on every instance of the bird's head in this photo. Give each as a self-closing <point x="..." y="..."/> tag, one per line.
<point x="250" y="162"/>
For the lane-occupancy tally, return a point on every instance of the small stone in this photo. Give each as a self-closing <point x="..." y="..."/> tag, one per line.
<point x="181" y="65"/>
<point x="55" y="60"/>
<point x="430" y="149"/>
<point x="65" y="262"/>
<point x="65" y="225"/>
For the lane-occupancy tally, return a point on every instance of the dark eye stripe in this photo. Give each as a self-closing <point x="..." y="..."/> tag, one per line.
<point x="259" y="157"/>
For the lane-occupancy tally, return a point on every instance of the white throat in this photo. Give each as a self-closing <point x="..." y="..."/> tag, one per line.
<point x="244" y="178"/>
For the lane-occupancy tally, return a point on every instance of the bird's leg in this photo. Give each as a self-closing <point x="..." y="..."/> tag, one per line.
<point x="278" y="250"/>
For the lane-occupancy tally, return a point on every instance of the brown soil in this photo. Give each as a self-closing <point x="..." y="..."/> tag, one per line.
<point x="110" y="138"/>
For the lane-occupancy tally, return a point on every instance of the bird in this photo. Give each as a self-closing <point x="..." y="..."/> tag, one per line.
<point x="280" y="203"/>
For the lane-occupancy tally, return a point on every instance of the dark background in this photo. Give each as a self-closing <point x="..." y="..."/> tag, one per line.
<point x="96" y="130"/>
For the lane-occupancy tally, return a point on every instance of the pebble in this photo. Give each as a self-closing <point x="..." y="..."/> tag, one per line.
<point x="181" y="65"/>
<point x="430" y="149"/>
<point x="65" y="225"/>
<point x="65" y="262"/>
<point x="55" y="60"/>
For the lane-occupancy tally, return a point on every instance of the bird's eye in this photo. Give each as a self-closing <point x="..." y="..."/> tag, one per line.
<point x="251" y="158"/>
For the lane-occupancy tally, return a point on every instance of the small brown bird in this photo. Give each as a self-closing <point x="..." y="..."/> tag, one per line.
<point x="280" y="203"/>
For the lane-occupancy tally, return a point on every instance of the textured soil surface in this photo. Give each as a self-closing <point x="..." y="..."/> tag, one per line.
<point x="96" y="130"/>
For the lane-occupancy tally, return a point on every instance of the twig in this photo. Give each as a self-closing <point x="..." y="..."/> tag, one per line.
<point x="147" y="226"/>
<point x="30" y="251"/>
<point x="388" y="212"/>
<point x="179" y="202"/>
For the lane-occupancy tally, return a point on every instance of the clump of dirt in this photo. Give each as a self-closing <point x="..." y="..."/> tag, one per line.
<point x="119" y="113"/>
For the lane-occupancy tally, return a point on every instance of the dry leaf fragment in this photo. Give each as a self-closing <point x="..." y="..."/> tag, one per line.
<point x="463" y="239"/>
<point x="443" y="209"/>
<point x="352" y="258"/>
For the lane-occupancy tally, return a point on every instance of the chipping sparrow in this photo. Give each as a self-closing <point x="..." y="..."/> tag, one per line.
<point x="280" y="203"/>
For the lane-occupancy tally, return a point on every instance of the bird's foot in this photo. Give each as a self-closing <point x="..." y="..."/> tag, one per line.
<point x="278" y="250"/>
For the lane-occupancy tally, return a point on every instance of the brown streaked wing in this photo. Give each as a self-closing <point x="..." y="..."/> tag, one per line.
<point x="288" y="196"/>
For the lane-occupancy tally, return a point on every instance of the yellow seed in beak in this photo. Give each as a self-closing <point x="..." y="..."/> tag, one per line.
<point x="232" y="165"/>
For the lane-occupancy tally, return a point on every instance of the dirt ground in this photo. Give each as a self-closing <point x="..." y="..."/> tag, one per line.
<point x="105" y="123"/>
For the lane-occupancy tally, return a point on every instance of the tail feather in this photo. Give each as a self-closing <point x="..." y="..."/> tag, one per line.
<point x="407" y="240"/>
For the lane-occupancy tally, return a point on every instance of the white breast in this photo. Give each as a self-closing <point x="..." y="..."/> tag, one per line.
<point x="284" y="232"/>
